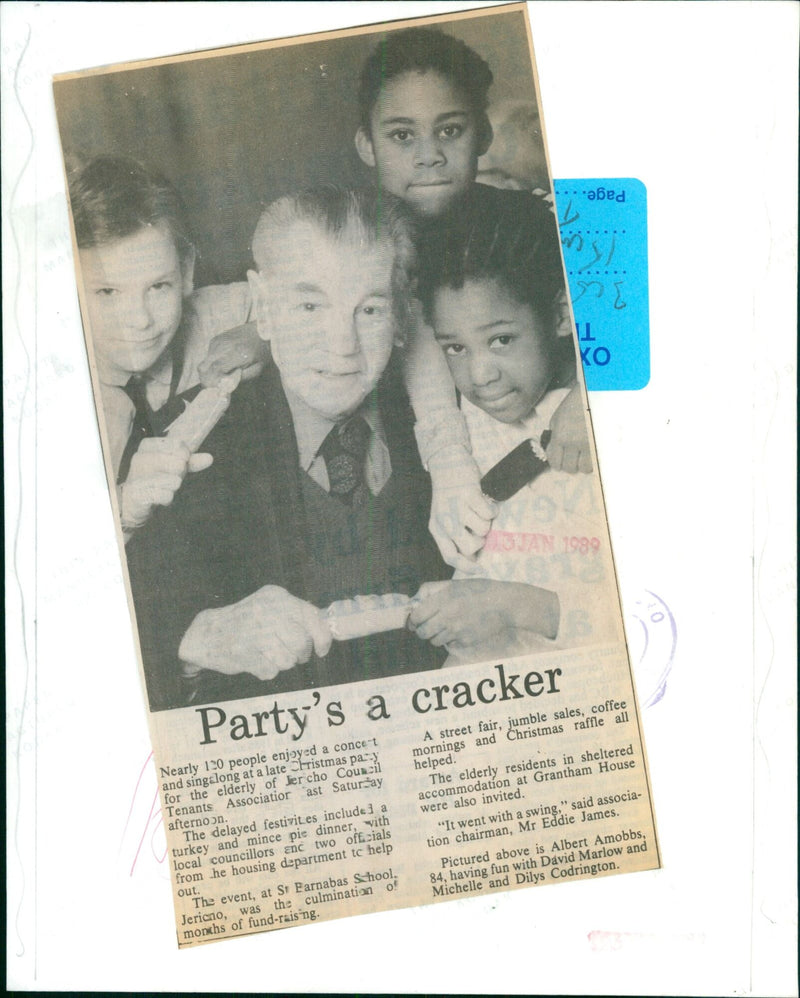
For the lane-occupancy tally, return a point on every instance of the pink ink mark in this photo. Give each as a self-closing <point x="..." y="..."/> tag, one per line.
<point x="507" y="540"/>
<point x="152" y="825"/>
<point x="605" y="942"/>
<point x="611" y="942"/>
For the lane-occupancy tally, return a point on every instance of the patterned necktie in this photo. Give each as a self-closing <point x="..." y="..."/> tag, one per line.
<point x="345" y="451"/>
<point x="136" y="390"/>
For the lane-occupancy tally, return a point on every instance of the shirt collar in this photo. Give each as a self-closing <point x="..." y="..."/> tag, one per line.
<point x="539" y="419"/>
<point x="535" y="423"/>
<point x="160" y="372"/>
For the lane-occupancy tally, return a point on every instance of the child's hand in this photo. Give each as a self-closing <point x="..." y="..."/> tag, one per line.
<point x="568" y="449"/>
<point x="263" y="634"/>
<point x="483" y="617"/>
<point x="460" y="613"/>
<point x="237" y="349"/>
<point x="461" y="515"/>
<point x="157" y="471"/>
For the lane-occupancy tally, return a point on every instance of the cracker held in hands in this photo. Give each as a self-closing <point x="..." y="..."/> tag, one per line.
<point x="363" y="615"/>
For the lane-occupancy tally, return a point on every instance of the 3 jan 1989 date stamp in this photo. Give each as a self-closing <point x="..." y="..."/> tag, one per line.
<point x="536" y="543"/>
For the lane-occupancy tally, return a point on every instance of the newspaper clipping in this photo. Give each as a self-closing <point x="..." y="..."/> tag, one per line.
<point x="350" y="456"/>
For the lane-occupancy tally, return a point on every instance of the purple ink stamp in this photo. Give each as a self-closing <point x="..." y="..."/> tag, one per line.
<point x="652" y="639"/>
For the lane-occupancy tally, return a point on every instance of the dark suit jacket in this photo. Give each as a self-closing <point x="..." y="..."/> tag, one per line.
<point x="242" y="524"/>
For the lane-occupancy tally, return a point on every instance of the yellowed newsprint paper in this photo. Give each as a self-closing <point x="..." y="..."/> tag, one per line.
<point x="349" y="451"/>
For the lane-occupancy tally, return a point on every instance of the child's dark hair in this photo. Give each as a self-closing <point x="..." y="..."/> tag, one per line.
<point x="505" y="246"/>
<point x="113" y="197"/>
<point x="422" y="50"/>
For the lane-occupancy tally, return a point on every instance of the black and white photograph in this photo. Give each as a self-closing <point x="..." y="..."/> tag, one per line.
<point x="396" y="406"/>
<point x="347" y="441"/>
<point x="335" y="360"/>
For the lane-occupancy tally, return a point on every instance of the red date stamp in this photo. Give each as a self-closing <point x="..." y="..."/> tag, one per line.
<point x="583" y="545"/>
<point x="525" y="543"/>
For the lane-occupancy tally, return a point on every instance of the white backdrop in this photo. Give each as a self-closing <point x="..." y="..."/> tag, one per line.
<point x="699" y="102"/>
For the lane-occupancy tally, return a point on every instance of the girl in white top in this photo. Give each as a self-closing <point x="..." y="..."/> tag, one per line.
<point x="544" y="576"/>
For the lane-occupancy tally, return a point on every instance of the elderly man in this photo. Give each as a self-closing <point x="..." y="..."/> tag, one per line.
<point x="316" y="493"/>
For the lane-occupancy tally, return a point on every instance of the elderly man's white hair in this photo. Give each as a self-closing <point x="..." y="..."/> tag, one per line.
<point x="364" y="216"/>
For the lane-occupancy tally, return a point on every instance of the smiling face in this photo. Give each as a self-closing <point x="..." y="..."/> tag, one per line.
<point x="501" y="354"/>
<point x="134" y="288"/>
<point x="425" y="140"/>
<point x="327" y="305"/>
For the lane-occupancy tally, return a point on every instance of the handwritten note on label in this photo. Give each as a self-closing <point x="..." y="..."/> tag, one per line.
<point x="603" y="224"/>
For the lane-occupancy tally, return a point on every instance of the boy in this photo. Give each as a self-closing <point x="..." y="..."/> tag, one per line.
<point x="423" y="100"/>
<point x="545" y="569"/>
<point x="316" y="493"/>
<point x="151" y="331"/>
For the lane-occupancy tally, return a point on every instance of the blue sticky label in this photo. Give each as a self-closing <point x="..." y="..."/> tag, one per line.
<point x="603" y="225"/>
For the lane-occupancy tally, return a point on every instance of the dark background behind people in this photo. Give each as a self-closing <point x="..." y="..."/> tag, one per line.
<point x="235" y="132"/>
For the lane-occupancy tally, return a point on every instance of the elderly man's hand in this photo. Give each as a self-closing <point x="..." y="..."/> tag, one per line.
<point x="263" y="634"/>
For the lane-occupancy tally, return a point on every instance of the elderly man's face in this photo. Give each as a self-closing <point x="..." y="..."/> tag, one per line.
<point x="328" y="304"/>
